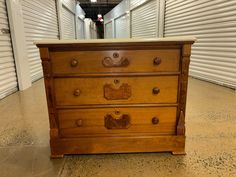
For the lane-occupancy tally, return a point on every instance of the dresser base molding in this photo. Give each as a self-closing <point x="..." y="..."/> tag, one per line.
<point x="61" y="147"/>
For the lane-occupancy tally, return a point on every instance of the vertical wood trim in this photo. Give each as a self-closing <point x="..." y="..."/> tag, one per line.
<point x="48" y="80"/>
<point x="185" y="60"/>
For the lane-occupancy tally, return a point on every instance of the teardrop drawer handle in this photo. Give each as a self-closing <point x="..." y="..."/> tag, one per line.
<point x="74" y="63"/>
<point x="156" y="61"/>
<point x="155" y="120"/>
<point x="123" y="122"/>
<point x="77" y="92"/>
<point x="109" y="62"/>
<point x="155" y="90"/>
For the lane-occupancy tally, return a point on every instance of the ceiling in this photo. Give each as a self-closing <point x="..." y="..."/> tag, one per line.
<point x="101" y="6"/>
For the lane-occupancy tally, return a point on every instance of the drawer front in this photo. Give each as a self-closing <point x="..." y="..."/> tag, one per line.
<point x="116" y="90"/>
<point x="115" y="61"/>
<point x="113" y="121"/>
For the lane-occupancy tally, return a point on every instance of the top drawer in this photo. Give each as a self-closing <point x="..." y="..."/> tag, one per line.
<point x="75" y="62"/>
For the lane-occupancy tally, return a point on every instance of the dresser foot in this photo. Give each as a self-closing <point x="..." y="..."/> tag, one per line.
<point x="178" y="152"/>
<point x="57" y="156"/>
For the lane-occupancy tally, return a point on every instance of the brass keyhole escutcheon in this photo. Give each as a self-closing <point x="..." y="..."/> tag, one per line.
<point x="115" y="55"/>
<point x="117" y="112"/>
<point x="116" y="81"/>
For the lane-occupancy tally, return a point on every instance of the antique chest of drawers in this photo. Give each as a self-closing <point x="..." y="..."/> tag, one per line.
<point x="116" y="96"/>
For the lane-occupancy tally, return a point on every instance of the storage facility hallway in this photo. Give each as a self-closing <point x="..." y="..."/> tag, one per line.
<point x="117" y="88"/>
<point x="210" y="144"/>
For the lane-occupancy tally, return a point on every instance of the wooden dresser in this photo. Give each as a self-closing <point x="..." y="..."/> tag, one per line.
<point x="116" y="96"/>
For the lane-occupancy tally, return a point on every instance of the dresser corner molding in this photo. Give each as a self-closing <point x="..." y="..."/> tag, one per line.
<point x="181" y="124"/>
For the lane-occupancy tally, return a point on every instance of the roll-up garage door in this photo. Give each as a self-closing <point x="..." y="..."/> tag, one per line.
<point x="144" y="20"/>
<point x="40" y="22"/>
<point x="8" y="80"/>
<point x="108" y="30"/>
<point x="68" y="23"/>
<point x="213" y="22"/>
<point x="80" y="28"/>
<point x="122" y="29"/>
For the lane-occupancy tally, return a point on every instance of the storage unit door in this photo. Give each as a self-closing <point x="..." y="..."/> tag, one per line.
<point x="122" y="29"/>
<point x="144" y="20"/>
<point x="40" y="22"/>
<point x="68" y="23"/>
<point x="108" y="30"/>
<point x="8" y="80"/>
<point x="80" y="29"/>
<point x="214" y="24"/>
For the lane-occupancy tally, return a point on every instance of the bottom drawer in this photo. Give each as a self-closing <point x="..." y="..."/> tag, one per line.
<point x="117" y="121"/>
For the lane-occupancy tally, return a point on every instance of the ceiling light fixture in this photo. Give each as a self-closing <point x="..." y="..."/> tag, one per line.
<point x="93" y="0"/>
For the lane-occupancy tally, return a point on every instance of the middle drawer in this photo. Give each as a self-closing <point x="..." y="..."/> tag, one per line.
<point x="116" y="90"/>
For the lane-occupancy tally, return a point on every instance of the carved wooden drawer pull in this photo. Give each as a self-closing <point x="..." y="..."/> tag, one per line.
<point x="111" y="93"/>
<point x="156" y="61"/>
<point x="79" y="122"/>
<point x="123" y="122"/>
<point x="155" y="120"/>
<point x="77" y="92"/>
<point x="114" y="62"/>
<point x="74" y="63"/>
<point x="155" y="90"/>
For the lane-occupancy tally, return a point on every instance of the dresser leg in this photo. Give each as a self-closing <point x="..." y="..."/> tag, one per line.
<point x="179" y="152"/>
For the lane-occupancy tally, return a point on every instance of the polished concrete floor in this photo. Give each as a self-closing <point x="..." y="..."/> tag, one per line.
<point x="210" y="144"/>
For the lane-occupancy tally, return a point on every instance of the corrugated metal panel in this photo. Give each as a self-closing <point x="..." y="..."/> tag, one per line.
<point x="93" y="30"/>
<point x="108" y="30"/>
<point x="122" y="29"/>
<point x="68" y="24"/>
<point x="135" y="3"/>
<point x="8" y="80"/>
<point x="40" y="22"/>
<point x="214" y="24"/>
<point x="80" y="29"/>
<point x="117" y="11"/>
<point x="144" y="20"/>
<point x="70" y="4"/>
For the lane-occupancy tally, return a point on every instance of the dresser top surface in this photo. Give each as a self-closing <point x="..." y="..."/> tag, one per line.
<point x="185" y="39"/>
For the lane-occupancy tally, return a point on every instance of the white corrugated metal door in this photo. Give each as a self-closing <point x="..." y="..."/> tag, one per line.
<point x="68" y="23"/>
<point x="122" y="29"/>
<point x="108" y="30"/>
<point x="80" y="28"/>
<point x="214" y="24"/>
<point x="8" y="80"/>
<point x="144" y="20"/>
<point x="40" y="22"/>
